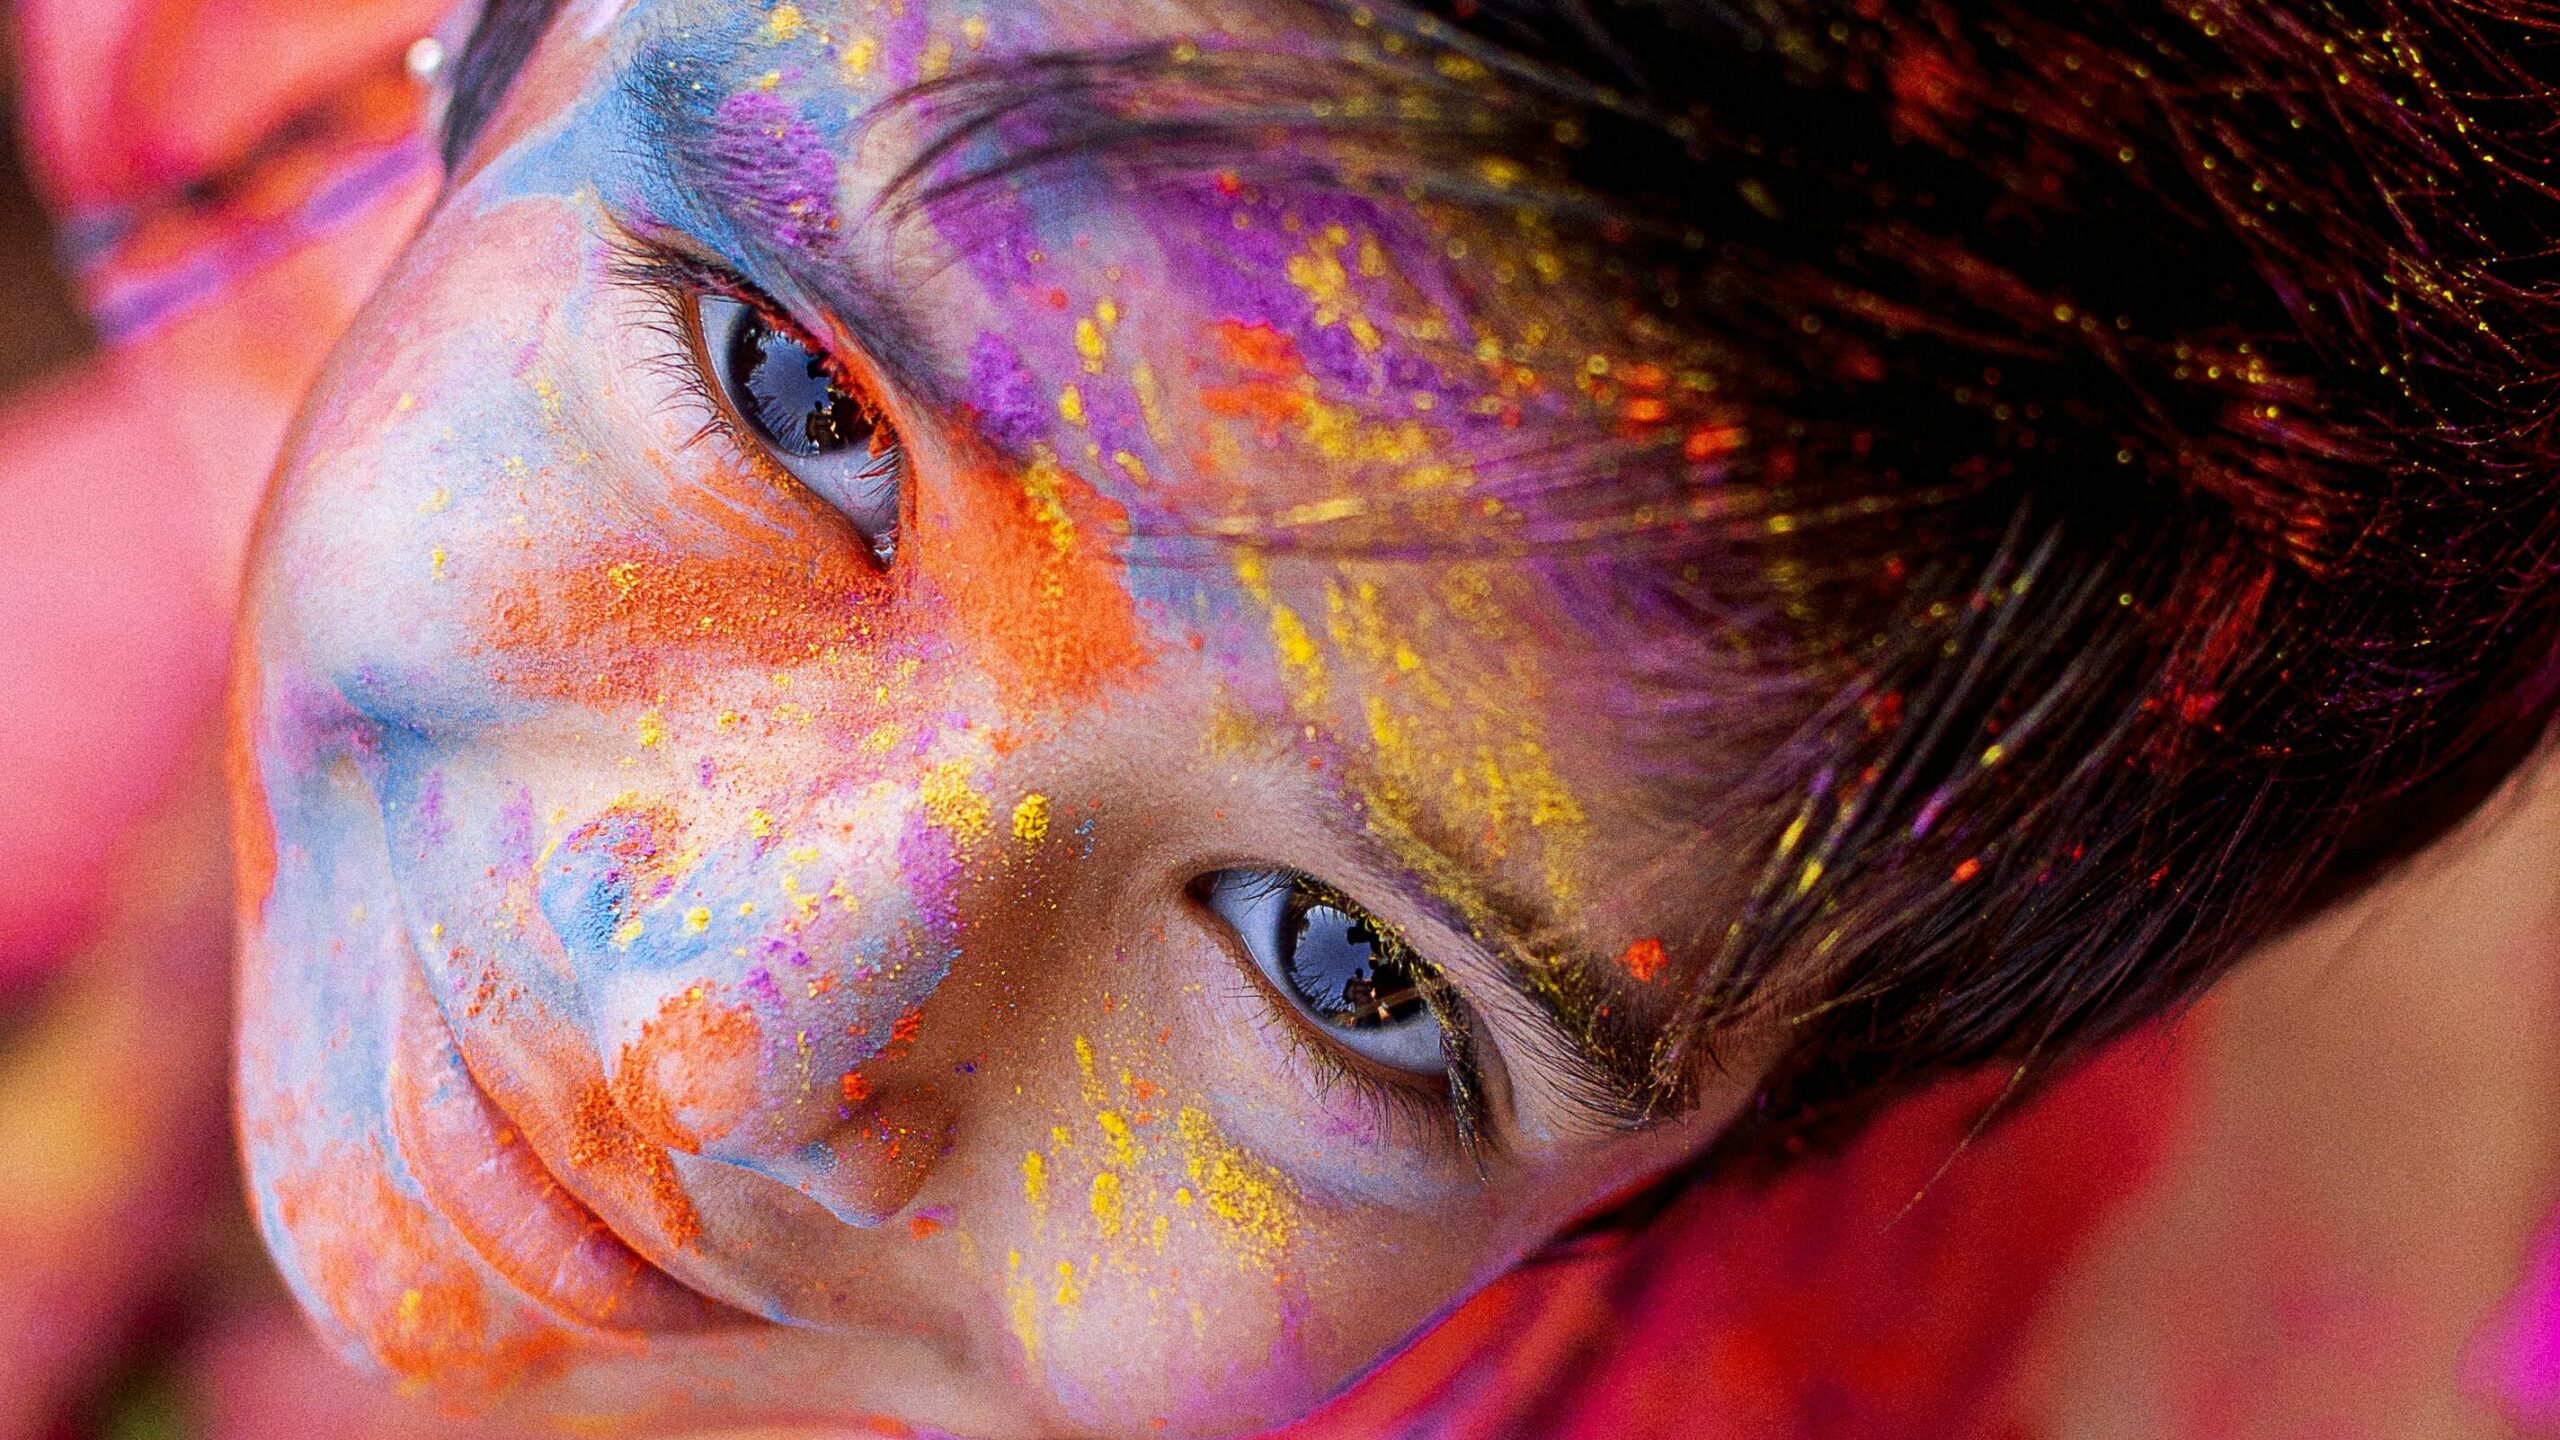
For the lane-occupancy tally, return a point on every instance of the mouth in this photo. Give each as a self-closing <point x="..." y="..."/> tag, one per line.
<point x="479" y="1172"/>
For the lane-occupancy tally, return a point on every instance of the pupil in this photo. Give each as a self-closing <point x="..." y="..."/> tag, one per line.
<point x="1347" y="974"/>
<point x="790" y="393"/>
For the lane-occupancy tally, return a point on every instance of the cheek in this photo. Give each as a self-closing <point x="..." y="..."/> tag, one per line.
<point x="1196" y="1241"/>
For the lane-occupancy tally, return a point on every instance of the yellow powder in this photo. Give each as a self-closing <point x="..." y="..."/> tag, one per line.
<point x="953" y="805"/>
<point x="1107" y="1203"/>
<point x="1255" y="1203"/>
<point x="1031" y="818"/>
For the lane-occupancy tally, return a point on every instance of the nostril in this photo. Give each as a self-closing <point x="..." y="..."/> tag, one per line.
<point x="690" y="1079"/>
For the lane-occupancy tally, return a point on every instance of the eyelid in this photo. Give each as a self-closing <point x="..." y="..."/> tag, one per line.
<point x="669" y="271"/>
<point x="1584" y="1083"/>
<point x="1458" y="1096"/>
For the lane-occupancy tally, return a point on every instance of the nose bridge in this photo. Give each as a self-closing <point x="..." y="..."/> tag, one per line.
<point x="749" y="993"/>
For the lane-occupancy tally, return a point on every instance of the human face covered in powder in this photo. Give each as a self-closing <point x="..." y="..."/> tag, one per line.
<point x="973" y="807"/>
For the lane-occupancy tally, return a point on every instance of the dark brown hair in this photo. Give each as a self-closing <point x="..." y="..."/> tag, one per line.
<point x="2149" y="496"/>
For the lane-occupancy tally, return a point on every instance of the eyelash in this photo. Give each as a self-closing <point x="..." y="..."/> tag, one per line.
<point x="1454" y="1116"/>
<point x="670" y="282"/>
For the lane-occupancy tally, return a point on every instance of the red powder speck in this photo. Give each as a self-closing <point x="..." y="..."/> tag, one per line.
<point x="1644" y="960"/>
<point x="923" y="1227"/>
<point x="1966" y="869"/>
<point x="857" y="1087"/>
<point x="1709" y="441"/>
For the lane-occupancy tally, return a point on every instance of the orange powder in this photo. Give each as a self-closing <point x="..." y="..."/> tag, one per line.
<point x="1643" y="960"/>
<point x="696" y="1058"/>
<point x="602" y="1141"/>
<point x="253" y="829"/>
<point x="385" y="1266"/>
<point x="1028" y="565"/>
<point x="632" y="626"/>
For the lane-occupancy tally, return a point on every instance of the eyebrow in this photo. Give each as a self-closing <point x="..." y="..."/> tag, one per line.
<point x="1601" y="1052"/>
<point x="496" y="53"/>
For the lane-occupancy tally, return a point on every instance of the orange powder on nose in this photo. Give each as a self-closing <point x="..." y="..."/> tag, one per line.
<point x="1029" y="566"/>
<point x="697" y="1059"/>
<point x="635" y="625"/>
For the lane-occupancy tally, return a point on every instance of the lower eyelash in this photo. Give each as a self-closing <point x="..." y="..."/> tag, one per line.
<point x="1452" y="1119"/>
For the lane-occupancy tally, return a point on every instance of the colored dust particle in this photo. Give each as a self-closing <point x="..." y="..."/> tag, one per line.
<point x="1022" y="1306"/>
<point x="603" y="1142"/>
<point x="1222" y="1187"/>
<point x="954" y="805"/>
<point x="642" y="631"/>
<point x="784" y="23"/>
<point x="1031" y="818"/>
<point x="1319" y="273"/>
<point x="1643" y="960"/>
<point x="1290" y="639"/>
<point x="698" y="1059"/>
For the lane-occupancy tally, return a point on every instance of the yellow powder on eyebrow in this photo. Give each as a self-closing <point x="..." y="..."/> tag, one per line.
<point x="1298" y="653"/>
<point x="1031" y="818"/>
<point x="953" y="805"/>
<point x="784" y="23"/>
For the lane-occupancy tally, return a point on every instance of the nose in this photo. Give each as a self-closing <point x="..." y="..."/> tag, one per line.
<point x="761" y="999"/>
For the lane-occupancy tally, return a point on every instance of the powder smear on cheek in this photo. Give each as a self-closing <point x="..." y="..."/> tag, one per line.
<point x="1113" y="1192"/>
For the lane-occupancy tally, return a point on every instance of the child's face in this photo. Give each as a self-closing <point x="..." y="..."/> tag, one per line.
<point x="845" y="937"/>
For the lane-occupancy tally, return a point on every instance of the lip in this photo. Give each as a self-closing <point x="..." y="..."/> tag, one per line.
<point x="477" y="1170"/>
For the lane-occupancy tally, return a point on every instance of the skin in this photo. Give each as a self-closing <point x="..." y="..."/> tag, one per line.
<point x="697" y="977"/>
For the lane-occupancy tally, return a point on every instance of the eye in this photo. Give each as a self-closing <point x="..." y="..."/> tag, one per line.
<point x="789" y="398"/>
<point x="1346" y="974"/>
